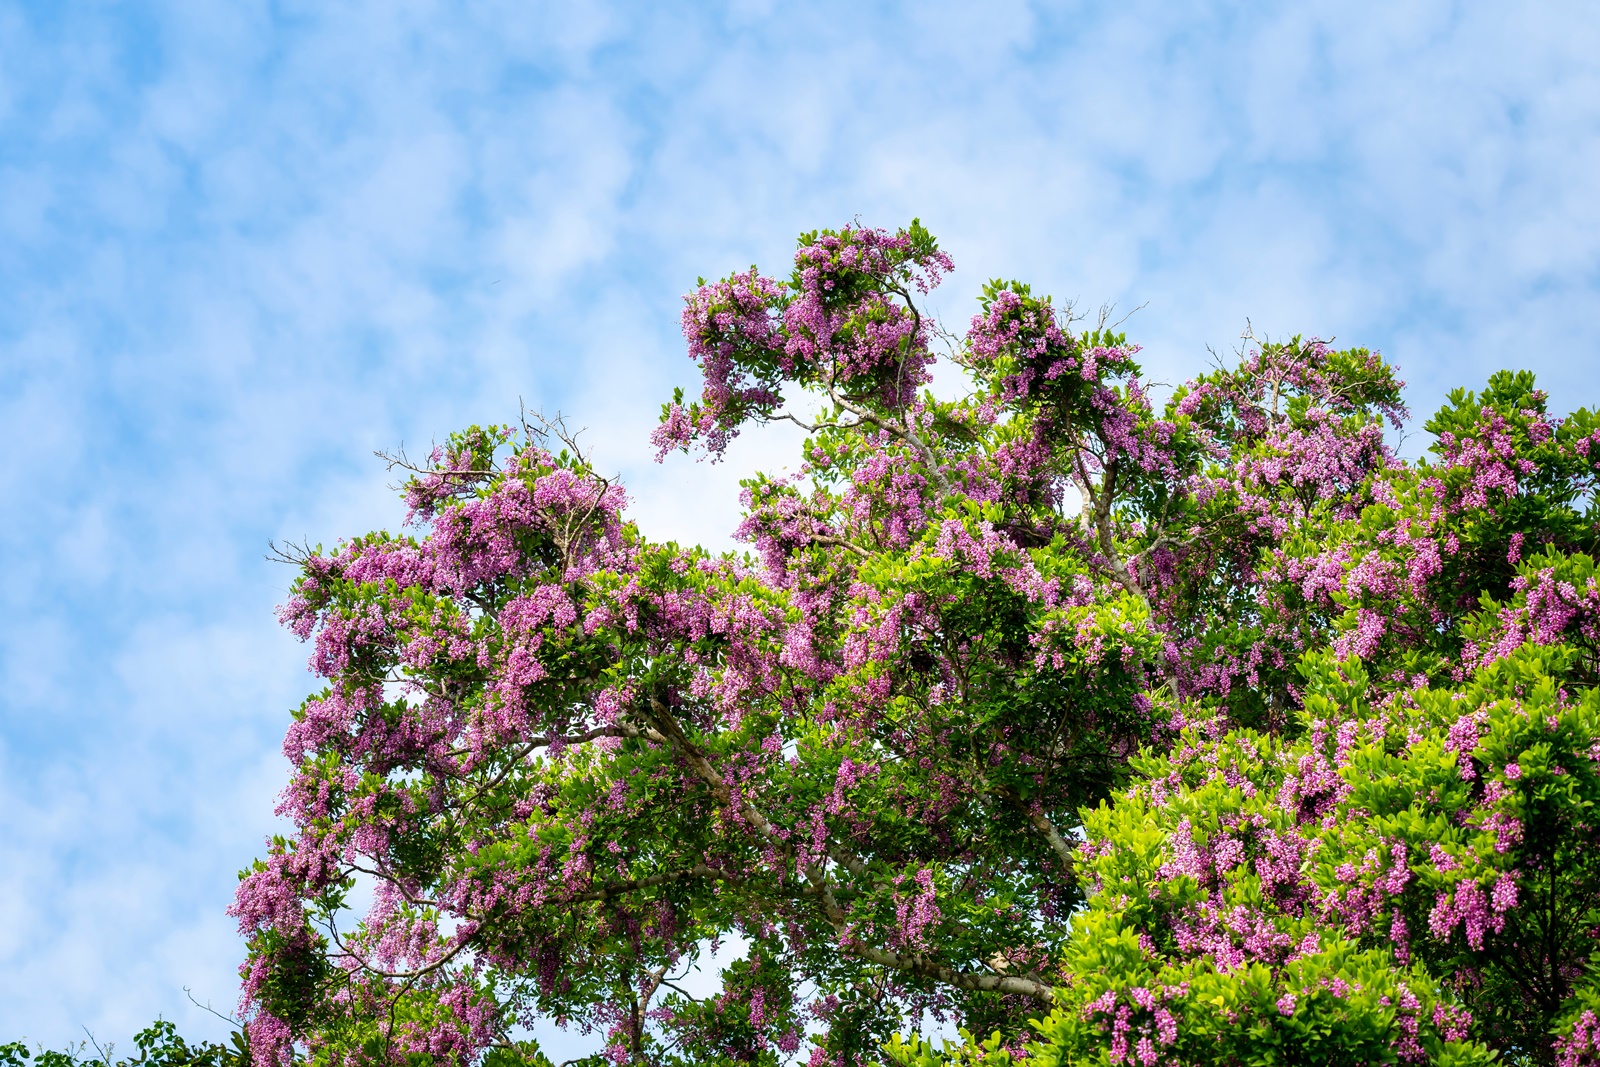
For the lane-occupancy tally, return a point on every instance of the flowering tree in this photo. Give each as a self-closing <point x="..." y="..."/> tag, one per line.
<point x="1213" y="732"/>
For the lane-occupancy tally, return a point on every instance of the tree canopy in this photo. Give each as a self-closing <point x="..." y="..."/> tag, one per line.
<point x="1105" y="726"/>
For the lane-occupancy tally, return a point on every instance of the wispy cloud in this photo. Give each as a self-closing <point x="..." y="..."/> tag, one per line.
<point x="242" y="245"/>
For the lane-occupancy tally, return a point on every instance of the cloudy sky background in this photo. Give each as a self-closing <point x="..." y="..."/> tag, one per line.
<point x="242" y="245"/>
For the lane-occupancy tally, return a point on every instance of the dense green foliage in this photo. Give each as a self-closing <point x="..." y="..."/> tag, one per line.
<point x="157" y="1045"/>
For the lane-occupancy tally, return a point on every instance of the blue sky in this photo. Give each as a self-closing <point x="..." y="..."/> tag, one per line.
<point x="242" y="245"/>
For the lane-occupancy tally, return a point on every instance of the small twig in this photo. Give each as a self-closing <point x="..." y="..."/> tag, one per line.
<point x="207" y="1007"/>
<point x="289" y="552"/>
<point x="680" y="990"/>
<point x="105" y="1055"/>
<point x="1106" y="311"/>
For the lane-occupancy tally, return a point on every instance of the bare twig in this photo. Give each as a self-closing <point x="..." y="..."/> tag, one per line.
<point x="207" y="1007"/>
<point x="105" y="1053"/>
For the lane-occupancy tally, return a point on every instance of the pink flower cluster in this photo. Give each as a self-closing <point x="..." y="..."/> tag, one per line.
<point x="1139" y="1027"/>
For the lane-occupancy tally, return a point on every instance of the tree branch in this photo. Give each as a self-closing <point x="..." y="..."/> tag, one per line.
<point x="979" y="983"/>
<point x="1058" y="844"/>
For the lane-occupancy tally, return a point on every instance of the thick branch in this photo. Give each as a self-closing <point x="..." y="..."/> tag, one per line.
<point x="1058" y="844"/>
<point x="902" y="432"/>
<point x="838" y="542"/>
<point x="979" y="983"/>
<point x="672" y="733"/>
